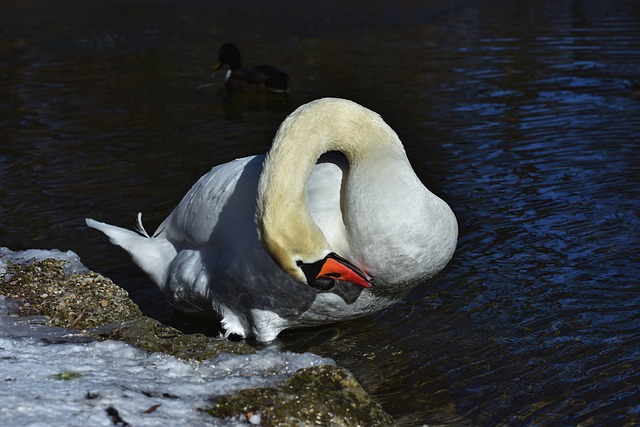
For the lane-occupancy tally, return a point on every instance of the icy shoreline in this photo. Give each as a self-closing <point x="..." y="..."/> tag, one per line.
<point x="60" y="376"/>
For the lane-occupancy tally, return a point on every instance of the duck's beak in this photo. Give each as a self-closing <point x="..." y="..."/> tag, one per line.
<point x="337" y="268"/>
<point x="217" y="66"/>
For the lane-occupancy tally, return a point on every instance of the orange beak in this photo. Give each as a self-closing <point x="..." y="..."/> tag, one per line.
<point x="336" y="267"/>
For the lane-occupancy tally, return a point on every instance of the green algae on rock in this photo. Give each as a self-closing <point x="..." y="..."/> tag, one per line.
<point x="324" y="395"/>
<point x="66" y="376"/>
<point x="78" y="301"/>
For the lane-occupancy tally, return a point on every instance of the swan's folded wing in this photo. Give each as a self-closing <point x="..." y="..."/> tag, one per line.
<point x="219" y="209"/>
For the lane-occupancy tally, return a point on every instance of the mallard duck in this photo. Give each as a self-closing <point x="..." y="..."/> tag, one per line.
<point x="332" y="224"/>
<point x="263" y="78"/>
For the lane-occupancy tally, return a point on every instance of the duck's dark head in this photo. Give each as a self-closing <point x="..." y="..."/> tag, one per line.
<point x="228" y="55"/>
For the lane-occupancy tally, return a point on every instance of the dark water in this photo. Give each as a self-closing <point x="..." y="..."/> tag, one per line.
<point x="524" y="116"/>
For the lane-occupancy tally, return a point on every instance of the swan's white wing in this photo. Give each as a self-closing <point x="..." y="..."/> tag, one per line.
<point x="219" y="208"/>
<point x="219" y="257"/>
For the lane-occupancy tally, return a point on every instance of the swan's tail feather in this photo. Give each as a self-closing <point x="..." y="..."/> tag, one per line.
<point x="140" y="227"/>
<point x="153" y="255"/>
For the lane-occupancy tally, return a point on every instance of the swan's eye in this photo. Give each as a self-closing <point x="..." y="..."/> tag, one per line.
<point x="311" y="270"/>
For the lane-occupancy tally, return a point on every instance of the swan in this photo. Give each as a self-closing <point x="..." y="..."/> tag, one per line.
<point x="330" y="225"/>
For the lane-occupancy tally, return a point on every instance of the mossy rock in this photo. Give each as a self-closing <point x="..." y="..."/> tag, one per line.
<point x="153" y="336"/>
<point x="325" y="395"/>
<point x="78" y="301"/>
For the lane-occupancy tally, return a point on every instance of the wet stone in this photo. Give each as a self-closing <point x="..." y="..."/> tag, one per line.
<point x="78" y="301"/>
<point x="324" y="395"/>
<point x="152" y="336"/>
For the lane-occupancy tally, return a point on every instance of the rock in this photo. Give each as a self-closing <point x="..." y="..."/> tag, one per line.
<point x="325" y="395"/>
<point x="152" y="336"/>
<point x="77" y="301"/>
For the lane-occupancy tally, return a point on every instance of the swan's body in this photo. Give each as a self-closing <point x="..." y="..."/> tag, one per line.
<point x="238" y="242"/>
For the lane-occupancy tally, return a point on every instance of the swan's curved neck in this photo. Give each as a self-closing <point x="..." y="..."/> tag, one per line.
<point x="282" y="217"/>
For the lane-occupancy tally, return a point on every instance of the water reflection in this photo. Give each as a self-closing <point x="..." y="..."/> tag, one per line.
<point x="236" y="104"/>
<point x="523" y="116"/>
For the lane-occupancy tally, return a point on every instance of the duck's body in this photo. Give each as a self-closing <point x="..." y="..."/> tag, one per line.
<point x="367" y="206"/>
<point x="262" y="78"/>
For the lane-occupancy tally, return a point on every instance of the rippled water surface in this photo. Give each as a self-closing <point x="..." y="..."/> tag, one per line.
<point x="523" y="115"/>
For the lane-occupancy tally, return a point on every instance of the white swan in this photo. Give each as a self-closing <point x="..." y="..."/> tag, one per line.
<point x="299" y="237"/>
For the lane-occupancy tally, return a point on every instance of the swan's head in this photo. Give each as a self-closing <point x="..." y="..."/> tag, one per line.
<point x="305" y="256"/>
<point x="323" y="273"/>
